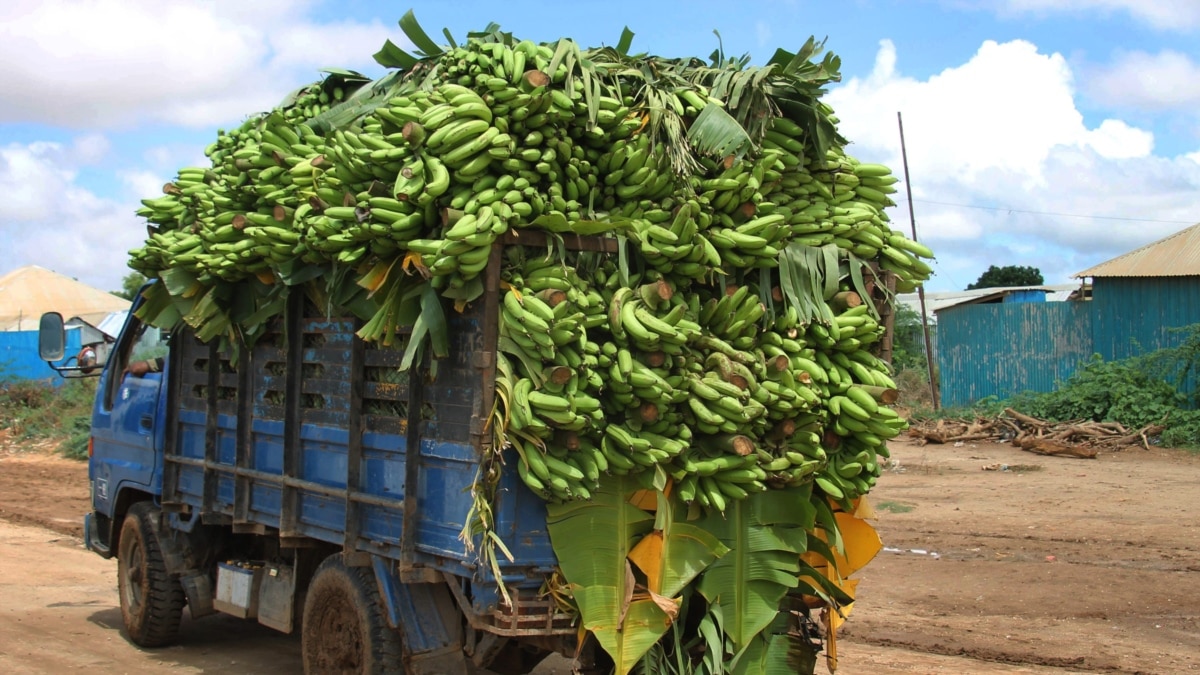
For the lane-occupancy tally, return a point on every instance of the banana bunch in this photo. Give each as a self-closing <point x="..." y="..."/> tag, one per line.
<point x="672" y="242"/>
<point x="633" y="170"/>
<point x="555" y="282"/>
<point x="316" y="99"/>
<point x="718" y="405"/>
<point x="628" y="450"/>
<point x="556" y="470"/>
<point x="739" y="185"/>
<point x="632" y="321"/>
<point x="540" y="330"/>
<point x="465" y="246"/>
<point x="713" y="479"/>
<point x="643" y="391"/>
<point x="558" y="403"/>
<point x="734" y="317"/>
<point x="853" y="462"/>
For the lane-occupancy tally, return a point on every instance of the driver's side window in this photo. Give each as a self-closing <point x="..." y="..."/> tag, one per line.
<point x="139" y="342"/>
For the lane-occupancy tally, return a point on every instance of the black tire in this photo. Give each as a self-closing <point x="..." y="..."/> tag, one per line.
<point x="151" y="599"/>
<point x="344" y="629"/>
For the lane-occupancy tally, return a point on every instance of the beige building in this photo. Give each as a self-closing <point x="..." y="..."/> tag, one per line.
<point x="28" y="292"/>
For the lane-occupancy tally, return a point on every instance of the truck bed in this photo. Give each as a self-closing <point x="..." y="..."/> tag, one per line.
<point x="316" y="435"/>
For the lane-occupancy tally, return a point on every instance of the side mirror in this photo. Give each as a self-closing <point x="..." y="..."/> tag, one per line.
<point x="52" y="342"/>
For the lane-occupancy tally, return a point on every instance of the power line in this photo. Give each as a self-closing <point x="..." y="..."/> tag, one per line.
<point x="1052" y="213"/>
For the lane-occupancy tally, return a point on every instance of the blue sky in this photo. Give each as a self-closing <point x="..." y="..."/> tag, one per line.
<point x="1053" y="133"/>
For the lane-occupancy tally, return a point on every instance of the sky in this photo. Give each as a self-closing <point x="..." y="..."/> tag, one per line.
<point x="1051" y="133"/>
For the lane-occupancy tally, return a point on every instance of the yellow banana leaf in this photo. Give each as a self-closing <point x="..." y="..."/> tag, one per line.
<point x="860" y="544"/>
<point x="675" y="553"/>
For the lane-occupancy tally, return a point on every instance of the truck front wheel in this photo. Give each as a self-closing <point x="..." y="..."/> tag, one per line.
<point x="151" y="599"/>
<point x="344" y="629"/>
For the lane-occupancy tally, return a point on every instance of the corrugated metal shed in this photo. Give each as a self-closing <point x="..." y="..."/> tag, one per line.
<point x="1003" y="349"/>
<point x="1175" y="256"/>
<point x="1135" y="315"/>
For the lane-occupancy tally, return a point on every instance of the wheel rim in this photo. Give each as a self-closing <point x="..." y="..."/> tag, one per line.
<point x="133" y="575"/>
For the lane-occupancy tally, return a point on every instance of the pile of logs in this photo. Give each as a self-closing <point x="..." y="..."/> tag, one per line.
<point x="1082" y="439"/>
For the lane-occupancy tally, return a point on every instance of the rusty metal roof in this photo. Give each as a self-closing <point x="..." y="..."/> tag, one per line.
<point x="1175" y="256"/>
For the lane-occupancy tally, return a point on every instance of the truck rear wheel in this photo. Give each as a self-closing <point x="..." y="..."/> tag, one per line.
<point x="151" y="599"/>
<point x="344" y="629"/>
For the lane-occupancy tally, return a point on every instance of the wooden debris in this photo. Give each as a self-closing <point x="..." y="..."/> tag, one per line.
<point x="1077" y="438"/>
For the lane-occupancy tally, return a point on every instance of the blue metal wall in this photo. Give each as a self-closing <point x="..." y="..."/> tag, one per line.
<point x="1142" y="310"/>
<point x="1005" y="348"/>
<point x="19" y="355"/>
<point x="1025" y="296"/>
<point x="1001" y="349"/>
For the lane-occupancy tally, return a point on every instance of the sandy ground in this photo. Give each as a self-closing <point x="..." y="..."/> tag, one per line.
<point x="1061" y="566"/>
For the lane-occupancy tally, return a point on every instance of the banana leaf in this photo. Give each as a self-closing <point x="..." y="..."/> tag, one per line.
<point x="391" y="56"/>
<point x="779" y="654"/>
<point x="676" y="552"/>
<point x="766" y="536"/>
<point x="160" y="309"/>
<point x="413" y="31"/>
<point x="855" y="266"/>
<point x="593" y="540"/>
<point x="296" y="271"/>
<point x="431" y="324"/>
<point x="180" y="282"/>
<point x="717" y="133"/>
<point x="802" y="275"/>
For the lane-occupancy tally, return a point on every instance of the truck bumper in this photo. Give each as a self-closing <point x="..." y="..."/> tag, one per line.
<point x="91" y="537"/>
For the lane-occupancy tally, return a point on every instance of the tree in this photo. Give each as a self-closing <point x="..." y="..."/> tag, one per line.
<point x="908" y="339"/>
<point x="1009" y="275"/>
<point x="130" y="285"/>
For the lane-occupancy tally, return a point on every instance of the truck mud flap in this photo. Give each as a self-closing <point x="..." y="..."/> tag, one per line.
<point x="427" y="617"/>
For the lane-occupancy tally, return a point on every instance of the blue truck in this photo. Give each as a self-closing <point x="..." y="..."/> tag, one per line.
<point x="309" y="484"/>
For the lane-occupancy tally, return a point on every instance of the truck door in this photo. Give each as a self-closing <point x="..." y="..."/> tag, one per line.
<point x="127" y="424"/>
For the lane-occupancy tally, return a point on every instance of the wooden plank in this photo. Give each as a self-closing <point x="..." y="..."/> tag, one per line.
<point x="573" y="242"/>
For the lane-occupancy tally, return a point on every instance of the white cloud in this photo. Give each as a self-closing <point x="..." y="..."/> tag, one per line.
<point x="119" y="62"/>
<point x="143" y="184"/>
<point x="47" y="219"/>
<point x="89" y="149"/>
<point x="1004" y="109"/>
<point x="999" y="137"/>
<point x="1177" y="15"/>
<point x="1115" y="139"/>
<point x="1161" y="81"/>
<point x="762" y="30"/>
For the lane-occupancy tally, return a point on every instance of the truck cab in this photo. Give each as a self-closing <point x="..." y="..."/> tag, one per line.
<point x="127" y="434"/>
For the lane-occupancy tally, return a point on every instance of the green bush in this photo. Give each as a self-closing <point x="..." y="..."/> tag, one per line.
<point x="1123" y="391"/>
<point x="1157" y="387"/>
<point x="33" y="411"/>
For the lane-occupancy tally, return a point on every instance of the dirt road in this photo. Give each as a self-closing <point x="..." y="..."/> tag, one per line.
<point x="1063" y="566"/>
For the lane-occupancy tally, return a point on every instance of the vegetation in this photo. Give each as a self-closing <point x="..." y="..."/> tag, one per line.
<point x="1009" y="275"/>
<point x="909" y="360"/>
<point x="130" y="285"/>
<point x="908" y="340"/>
<point x="1156" y="387"/>
<point x="38" y="411"/>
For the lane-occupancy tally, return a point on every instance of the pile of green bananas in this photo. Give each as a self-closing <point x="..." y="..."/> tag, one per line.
<point x="615" y="378"/>
<point x="682" y="357"/>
